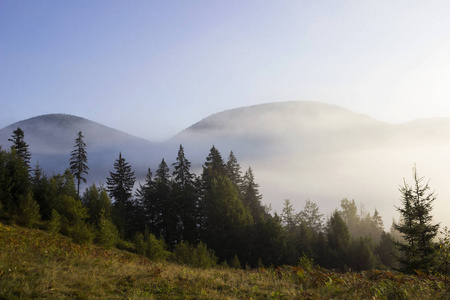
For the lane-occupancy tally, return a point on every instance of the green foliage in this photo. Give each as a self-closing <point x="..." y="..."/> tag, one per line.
<point x="226" y="219"/>
<point x="97" y="203"/>
<point x="28" y="214"/>
<point x="120" y="184"/>
<point x="107" y="233"/>
<point x="78" y="161"/>
<point x="418" y="251"/>
<point x="443" y="252"/>
<point x="235" y="263"/>
<point x="120" y="187"/>
<point x="150" y="246"/>
<point x="20" y="146"/>
<point x="81" y="233"/>
<point x="71" y="210"/>
<point x="338" y="241"/>
<point x="196" y="256"/>
<point x="55" y="223"/>
<point x="14" y="182"/>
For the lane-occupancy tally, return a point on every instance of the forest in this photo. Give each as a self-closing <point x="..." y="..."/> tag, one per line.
<point x="215" y="218"/>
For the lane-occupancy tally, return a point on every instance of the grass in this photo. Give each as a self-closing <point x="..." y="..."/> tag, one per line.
<point x="38" y="264"/>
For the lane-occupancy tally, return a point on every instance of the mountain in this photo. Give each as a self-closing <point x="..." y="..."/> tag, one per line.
<point x="51" y="138"/>
<point x="297" y="150"/>
<point x="322" y="152"/>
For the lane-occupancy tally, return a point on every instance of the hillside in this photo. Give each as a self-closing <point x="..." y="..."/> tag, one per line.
<point x="36" y="264"/>
<point x="51" y="139"/>
<point x="297" y="150"/>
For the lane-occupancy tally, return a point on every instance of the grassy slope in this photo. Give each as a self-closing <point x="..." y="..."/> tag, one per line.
<point x="36" y="264"/>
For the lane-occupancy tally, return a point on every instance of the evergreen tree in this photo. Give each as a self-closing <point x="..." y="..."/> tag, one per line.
<point x="181" y="174"/>
<point x="416" y="226"/>
<point x="338" y="238"/>
<point x="78" y="161"/>
<point x="234" y="172"/>
<point x="311" y="216"/>
<point x="167" y="214"/>
<point x="226" y="220"/>
<point x="97" y="203"/>
<point x="20" y="145"/>
<point x="213" y="167"/>
<point x="120" y="186"/>
<point x="147" y="214"/>
<point x="251" y="196"/>
<point x="185" y="195"/>
<point x="14" y="182"/>
<point x="289" y="218"/>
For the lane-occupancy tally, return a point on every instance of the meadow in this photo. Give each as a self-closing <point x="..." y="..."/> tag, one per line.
<point x="38" y="264"/>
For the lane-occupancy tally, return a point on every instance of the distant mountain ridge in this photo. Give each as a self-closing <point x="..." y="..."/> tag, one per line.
<point x="298" y="150"/>
<point x="51" y="138"/>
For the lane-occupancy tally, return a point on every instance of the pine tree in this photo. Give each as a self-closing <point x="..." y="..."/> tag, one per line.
<point x="311" y="216"/>
<point x="234" y="171"/>
<point x="226" y="220"/>
<point x="120" y="187"/>
<point x="338" y="238"/>
<point x="185" y="195"/>
<point x="78" y="161"/>
<point x="416" y="227"/>
<point x="181" y="174"/>
<point x="167" y="214"/>
<point x="213" y="167"/>
<point x="251" y="196"/>
<point x="20" y="145"/>
<point x="120" y="184"/>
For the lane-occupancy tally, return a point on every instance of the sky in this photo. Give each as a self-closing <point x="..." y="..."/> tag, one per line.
<point x="154" y="68"/>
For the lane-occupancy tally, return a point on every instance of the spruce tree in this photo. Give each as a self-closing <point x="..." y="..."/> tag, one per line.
<point x="181" y="174"/>
<point x="311" y="216"/>
<point x="416" y="226"/>
<point x="234" y="171"/>
<point x="120" y="187"/>
<point x="185" y="195"/>
<point x="78" y="161"/>
<point x="120" y="184"/>
<point x="251" y="196"/>
<point x="20" y="145"/>
<point x="167" y="215"/>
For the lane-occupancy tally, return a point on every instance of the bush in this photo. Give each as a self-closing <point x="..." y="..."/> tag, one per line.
<point x="54" y="225"/>
<point x="199" y="256"/>
<point x="81" y="233"/>
<point x="151" y="247"/>
<point x="235" y="263"/>
<point x="28" y="211"/>
<point x="107" y="235"/>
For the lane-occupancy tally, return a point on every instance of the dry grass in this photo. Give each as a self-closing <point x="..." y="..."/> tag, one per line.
<point x="36" y="264"/>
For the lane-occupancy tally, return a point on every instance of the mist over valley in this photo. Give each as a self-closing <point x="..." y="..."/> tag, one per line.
<point x="297" y="150"/>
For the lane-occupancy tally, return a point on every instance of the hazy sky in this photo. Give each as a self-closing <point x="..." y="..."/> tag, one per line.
<point x="153" y="68"/>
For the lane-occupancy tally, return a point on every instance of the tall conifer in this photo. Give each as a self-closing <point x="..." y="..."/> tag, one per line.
<point x="416" y="226"/>
<point x="20" y="145"/>
<point x="78" y="161"/>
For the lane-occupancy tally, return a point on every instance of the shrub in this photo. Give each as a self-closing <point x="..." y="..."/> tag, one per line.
<point x="151" y="247"/>
<point x="107" y="234"/>
<point x="28" y="211"/>
<point x="199" y="256"/>
<point x="54" y="225"/>
<point x="235" y="263"/>
<point x="81" y="233"/>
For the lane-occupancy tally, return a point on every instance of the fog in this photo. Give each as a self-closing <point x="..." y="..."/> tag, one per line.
<point x="297" y="150"/>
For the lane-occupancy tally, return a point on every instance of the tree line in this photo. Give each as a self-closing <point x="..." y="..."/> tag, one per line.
<point x="217" y="216"/>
